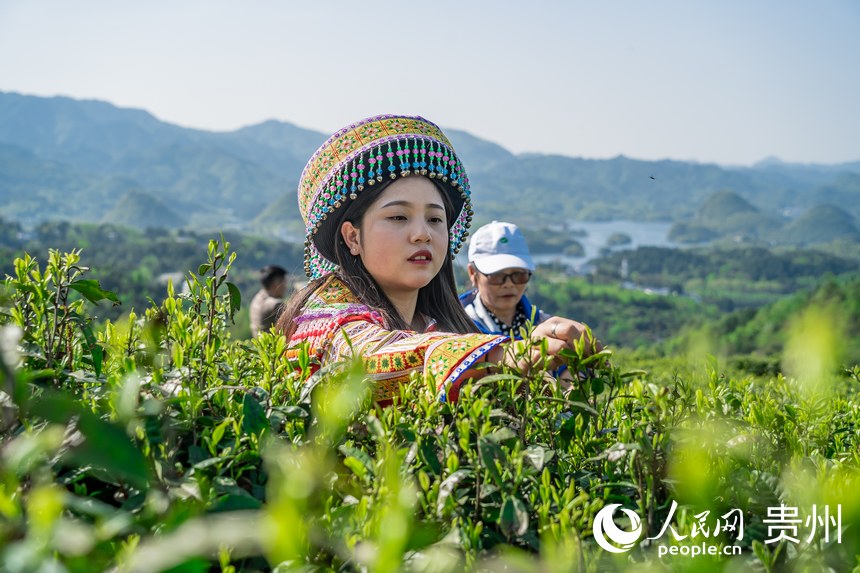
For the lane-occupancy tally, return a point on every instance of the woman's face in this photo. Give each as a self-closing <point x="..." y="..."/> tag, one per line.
<point x="403" y="236"/>
<point x="501" y="298"/>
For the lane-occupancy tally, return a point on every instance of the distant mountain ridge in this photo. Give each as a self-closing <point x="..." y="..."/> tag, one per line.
<point x="76" y="159"/>
<point x="219" y="178"/>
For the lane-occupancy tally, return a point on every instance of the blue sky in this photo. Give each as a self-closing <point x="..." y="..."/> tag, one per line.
<point x="722" y="81"/>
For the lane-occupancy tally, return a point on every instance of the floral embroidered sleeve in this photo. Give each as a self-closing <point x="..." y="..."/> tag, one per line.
<point x="390" y="356"/>
<point x="336" y="327"/>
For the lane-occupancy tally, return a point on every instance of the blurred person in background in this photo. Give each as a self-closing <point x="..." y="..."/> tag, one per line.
<point x="267" y="303"/>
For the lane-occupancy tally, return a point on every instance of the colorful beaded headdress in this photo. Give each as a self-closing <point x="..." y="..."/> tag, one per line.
<point x="368" y="153"/>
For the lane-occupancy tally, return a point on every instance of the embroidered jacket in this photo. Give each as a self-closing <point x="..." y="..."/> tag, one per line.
<point x="333" y="318"/>
<point x="480" y="315"/>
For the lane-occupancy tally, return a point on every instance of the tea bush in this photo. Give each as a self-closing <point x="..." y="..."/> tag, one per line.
<point x="157" y="443"/>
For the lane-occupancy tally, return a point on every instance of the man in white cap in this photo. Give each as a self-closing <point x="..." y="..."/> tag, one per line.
<point x="500" y="267"/>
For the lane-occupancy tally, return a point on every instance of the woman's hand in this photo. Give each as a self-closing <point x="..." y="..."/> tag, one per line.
<point x="559" y="334"/>
<point x="565" y="331"/>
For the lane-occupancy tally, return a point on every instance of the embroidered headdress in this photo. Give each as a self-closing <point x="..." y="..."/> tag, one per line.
<point x="369" y="153"/>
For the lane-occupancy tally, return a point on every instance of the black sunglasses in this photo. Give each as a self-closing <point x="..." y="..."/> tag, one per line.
<point x="517" y="277"/>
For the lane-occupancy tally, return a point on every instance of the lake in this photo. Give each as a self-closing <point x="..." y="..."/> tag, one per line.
<point x="653" y="234"/>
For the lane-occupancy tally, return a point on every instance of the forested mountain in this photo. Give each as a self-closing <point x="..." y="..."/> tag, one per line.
<point x="823" y="224"/>
<point x="57" y="149"/>
<point x="66" y="158"/>
<point x="142" y="211"/>
<point x="726" y="215"/>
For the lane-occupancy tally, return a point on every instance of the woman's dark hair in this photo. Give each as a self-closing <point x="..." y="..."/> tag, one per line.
<point x="437" y="300"/>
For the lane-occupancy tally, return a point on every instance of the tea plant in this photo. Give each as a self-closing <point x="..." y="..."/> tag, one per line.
<point x="158" y="443"/>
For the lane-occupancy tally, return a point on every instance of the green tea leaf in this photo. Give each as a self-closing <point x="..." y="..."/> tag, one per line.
<point x="538" y="456"/>
<point x="235" y="297"/>
<point x="196" y="565"/>
<point x="514" y="519"/>
<point x="762" y="552"/>
<point x="489" y="452"/>
<point x="448" y="486"/>
<point x="106" y="446"/>
<point x="503" y="436"/>
<point x="292" y="412"/>
<point x="428" y="456"/>
<point x="253" y="415"/>
<point x="233" y="502"/>
<point x="219" y="430"/>
<point x="360" y="456"/>
<point x="356" y="466"/>
<point x="92" y="345"/>
<point x="91" y="290"/>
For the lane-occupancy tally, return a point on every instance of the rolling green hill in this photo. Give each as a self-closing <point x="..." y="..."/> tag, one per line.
<point x="141" y="210"/>
<point x="822" y="224"/>
<point x="725" y="214"/>
<point x="843" y="191"/>
<point x="34" y="189"/>
<point x="729" y="216"/>
<point x="723" y="205"/>
<point x="281" y="218"/>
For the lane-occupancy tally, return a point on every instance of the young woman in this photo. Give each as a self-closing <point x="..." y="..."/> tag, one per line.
<point x="386" y="204"/>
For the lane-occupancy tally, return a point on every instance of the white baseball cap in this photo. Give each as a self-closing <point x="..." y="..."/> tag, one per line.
<point x="498" y="246"/>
